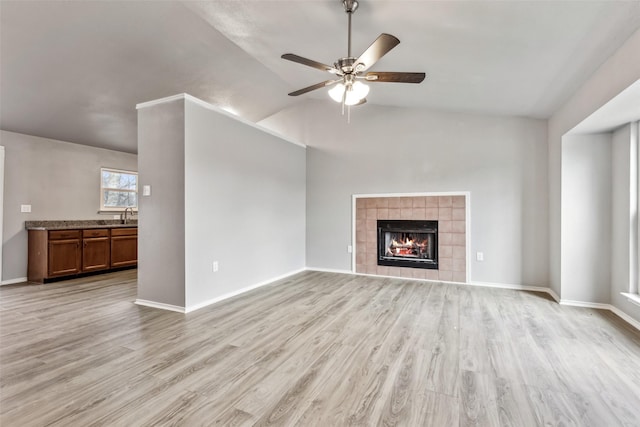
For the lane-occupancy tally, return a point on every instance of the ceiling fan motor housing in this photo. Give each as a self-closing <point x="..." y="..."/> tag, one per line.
<point x="345" y="65"/>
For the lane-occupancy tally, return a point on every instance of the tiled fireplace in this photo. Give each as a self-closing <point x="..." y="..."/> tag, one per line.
<point x="446" y="213"/>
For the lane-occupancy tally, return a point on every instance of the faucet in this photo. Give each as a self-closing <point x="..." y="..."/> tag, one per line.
<point x="124" y="214"/>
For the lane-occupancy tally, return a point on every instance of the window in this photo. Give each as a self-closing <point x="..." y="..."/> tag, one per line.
<point x="634" y="197"/>
<point x="118" y="190"/>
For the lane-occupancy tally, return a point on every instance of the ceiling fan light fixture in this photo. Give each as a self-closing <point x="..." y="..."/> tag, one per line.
<point x="360" y="90"/>
<point x="346" y="87"/>
<point x="356" y="92"/>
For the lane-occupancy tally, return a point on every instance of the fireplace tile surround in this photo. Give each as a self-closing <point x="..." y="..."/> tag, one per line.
<point x="449" y="211"/>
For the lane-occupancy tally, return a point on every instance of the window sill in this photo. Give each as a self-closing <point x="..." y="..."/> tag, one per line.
<point x="633" y="298"/>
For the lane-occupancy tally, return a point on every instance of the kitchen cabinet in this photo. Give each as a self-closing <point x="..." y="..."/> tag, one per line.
<point x="55" y="254"/>
<point x="95" y="250"/>
<point x="63" y="249"/>
<point x="124" y="247"/>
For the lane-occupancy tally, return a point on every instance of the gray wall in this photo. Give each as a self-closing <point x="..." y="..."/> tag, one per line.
<point x="161" y="225"/>
<point x="616" y="74"/>
<point x="60" y="180"/>
<point x="501" y="161"/>
<point x="221" y="190"/>
<point x="586" y="218"/>
<point x="244" y="203"/>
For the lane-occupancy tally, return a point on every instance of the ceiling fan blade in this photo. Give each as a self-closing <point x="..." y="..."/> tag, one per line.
<point x="362" y="101"/>
<point x="314" y="87"/>
<point x="393" y="77"/>
<point x="383" y="44"/>
<point x="310" y="63"/>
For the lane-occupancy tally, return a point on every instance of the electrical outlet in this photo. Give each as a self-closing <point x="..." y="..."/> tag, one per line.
<point x="215" y="266"/>
<point x="350" y="249"/>
<point x="479" y="256"/>
<point x="25" y="208"/>
<point x="116" y="217"/>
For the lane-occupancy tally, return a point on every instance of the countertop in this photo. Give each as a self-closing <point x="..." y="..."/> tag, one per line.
<point x="79" y="224"/>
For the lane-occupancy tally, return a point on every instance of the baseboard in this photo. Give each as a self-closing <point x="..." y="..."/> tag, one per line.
<point x="624" y="316"/>
<point x="585" y="304"/>
<point x="600" y="306"/>
<point x="240" y="291"/>
<point x="329" y="270"/>
<point x="13" y="281"/>
<point x="553" y="295"/>
<point x="510" y="286"/>
<point x="160" y="305"/>
<point x="483" y="284"/>
<point x="409" y="278"/>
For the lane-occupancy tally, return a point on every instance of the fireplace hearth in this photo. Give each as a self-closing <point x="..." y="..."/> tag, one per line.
<point x="408" y="243"/>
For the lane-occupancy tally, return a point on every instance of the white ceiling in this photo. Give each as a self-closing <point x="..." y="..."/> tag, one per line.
<point x="74" y="70"/>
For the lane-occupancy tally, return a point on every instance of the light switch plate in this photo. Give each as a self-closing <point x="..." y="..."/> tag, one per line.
<point x="146" y="190"/>
<point x="479" y="256"/>
<point x="25" y="208"/>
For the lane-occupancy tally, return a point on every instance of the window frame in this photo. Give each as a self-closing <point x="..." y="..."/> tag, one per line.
<point x="634" y="286"/>
<point x="633" y="295"/>
<point x="104" y="208"/>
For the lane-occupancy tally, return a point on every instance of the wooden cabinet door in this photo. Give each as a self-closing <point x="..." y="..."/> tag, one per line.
<point x="95" y="254"/>
<point x="124" y="251"/>
<point x="64" y="257"/>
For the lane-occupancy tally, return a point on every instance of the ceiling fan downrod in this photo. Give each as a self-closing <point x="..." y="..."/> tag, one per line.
<point x="350" y="6"/>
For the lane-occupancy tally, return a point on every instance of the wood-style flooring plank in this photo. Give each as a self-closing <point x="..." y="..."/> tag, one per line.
<point x="314" y="349"/>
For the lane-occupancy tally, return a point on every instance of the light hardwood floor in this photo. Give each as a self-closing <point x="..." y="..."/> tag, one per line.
<point x="316" y="349"/>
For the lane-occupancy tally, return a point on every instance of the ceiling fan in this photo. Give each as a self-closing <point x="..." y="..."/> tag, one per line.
<point x="349" y="72"/>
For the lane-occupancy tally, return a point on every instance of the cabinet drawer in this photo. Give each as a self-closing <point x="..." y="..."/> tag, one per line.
<point x="64" y="234"/>
<point x="124" y="232"/>
<point x="101" y="232"/>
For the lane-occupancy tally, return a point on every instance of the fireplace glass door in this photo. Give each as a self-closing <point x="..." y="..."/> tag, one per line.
<point x="405" y="243"/>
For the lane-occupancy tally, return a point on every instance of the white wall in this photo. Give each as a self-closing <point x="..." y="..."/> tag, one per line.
<point x="586" y="218"/>
<point x="60" y="180"/>
<point x="501" y="161"/>
<point x="236" y="195"/>
<point x="615" y="75"/>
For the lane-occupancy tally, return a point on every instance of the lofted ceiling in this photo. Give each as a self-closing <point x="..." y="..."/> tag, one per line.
<point x="75" y="70"/>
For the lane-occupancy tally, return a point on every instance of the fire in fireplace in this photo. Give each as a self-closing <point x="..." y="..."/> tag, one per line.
<point x="404" y="243"/>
